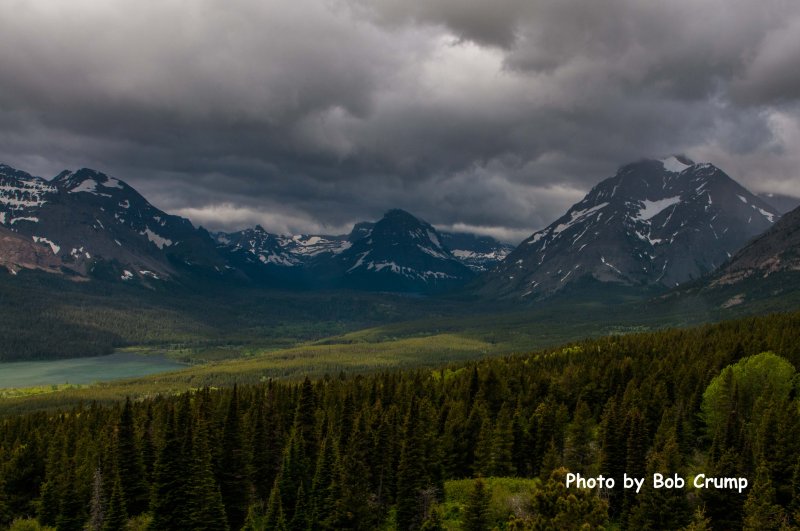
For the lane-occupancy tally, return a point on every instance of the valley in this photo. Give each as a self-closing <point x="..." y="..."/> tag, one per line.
<point x="493" y="368"/>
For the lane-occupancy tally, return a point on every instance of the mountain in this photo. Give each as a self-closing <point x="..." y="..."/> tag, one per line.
<point x="89" y="225"/>
<point x="400" y="253"/>
<point x="479" y="253"/>
<point x="313" y="260"/>
<point x="782" y="203"/>
<point x="98" y="226"/>
<point x="284" y="261"/>
<point x="656" y="223"/>
<point x="774" y="253"/>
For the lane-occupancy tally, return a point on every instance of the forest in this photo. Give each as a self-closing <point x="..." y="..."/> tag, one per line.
<point x="477" y="446"/>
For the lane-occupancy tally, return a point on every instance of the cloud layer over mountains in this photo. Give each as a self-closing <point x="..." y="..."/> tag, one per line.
<point x="488" y="116"/>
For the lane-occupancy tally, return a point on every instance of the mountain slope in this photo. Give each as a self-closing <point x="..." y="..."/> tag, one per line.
<point x="774" y="252"/>
<point x="782" y="203"/>
<point x="96" y="225"/>
<point x="655" y="223"/>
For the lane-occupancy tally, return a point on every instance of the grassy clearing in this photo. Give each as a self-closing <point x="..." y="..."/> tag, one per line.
<point x="21" y="392"/>
<point x="508" y="496"/>
<point x="313" y="360"/>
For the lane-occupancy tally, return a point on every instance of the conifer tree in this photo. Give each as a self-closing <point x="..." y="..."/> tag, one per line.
<point x="267" y="448"/>
<point x="170" y="490"/>
<point x="299" y="521"/>
<point x="129" y="463"/>
<point x="521" y="450"/>
<point x="410" y="473"/>
<point x="234" y="466"/>
<point x="635" y="460"/>
<point x="148" y="446"/>
<point x="699" y="521"/>
<point x="5" y="512"/>
<point x="612" y="452"/>
<point x="305" y="420"/>
<point x="723" y="505"/>
<point x="483" y="448"/>
<point x="323" y="495"/>
<point x="502" y="453"/>
<point x="760" y="510"/>
<point x="275" y="520"/>
<point x="476" y="512"/>
<point x="662" y="508"/>
<point x="255" y="520"/>
<point x="206" y="510"/>
<point x="577" y="447"/>
<point x="72" y="511"/>
<point x="116" y="516"/>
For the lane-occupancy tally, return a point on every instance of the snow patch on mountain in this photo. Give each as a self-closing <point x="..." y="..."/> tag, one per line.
<point x="32" y="219"/>
<point x="53" y="246"/>
<point x="653" y="208"/>
<point x="672" y="164"/>
<point x="578" y="215"/>
<point x="88" y="186"/>
<point x="158" y="240"/>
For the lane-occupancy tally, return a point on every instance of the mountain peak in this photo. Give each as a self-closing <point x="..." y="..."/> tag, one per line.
<point x="87" y="180"/>
<point x="656" y="222"/>
<point x="397" y="214"/>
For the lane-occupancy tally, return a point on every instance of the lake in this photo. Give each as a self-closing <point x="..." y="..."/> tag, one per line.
<point x="83" y="370"/>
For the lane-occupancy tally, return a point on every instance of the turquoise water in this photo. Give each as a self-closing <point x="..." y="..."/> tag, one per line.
<point x="83" y="370"/>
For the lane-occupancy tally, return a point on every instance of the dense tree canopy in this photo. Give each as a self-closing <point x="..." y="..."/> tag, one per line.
<point x="358" y="451"/>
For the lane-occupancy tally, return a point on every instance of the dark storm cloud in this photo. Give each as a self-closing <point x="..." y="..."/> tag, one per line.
<point x="491" y="116"/>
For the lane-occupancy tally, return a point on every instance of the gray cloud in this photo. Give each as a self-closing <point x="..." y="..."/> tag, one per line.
<point x="493" y="116"/>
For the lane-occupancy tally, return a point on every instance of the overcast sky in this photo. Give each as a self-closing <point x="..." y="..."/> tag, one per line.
<point x="308" y="115"/>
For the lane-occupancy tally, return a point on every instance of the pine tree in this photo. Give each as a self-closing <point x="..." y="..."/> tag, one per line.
<point x="612" y="452"/>
<point x="234" y="466"/>
<point x="636" y="460"/>
<point x="148" y="446"/>
<point x="410" y="473"/>
<point x="662" y="508"/>
<point x="483" y="449"/>
<point x="170" y="490"/>
<point x="502" y="454"/>
<point x="130" y="465"/>
<point x="305" y="421"/>
<point x="267" y="448"/>
<point x="206" y="510"/>
<point x="476" y="513"/>
<point x="578" y="454"/>
<point x="275" y="520"/>
<point x="323" y="495"/>
<point x="723" y="505"/>
<point x="5" y="511"/>
<point x="299" y="520"/>
<point x="699" y="521"/>
<point x="117" y="515"/>
<point x="760" y="510"/>
<point x="71" y="515"/>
